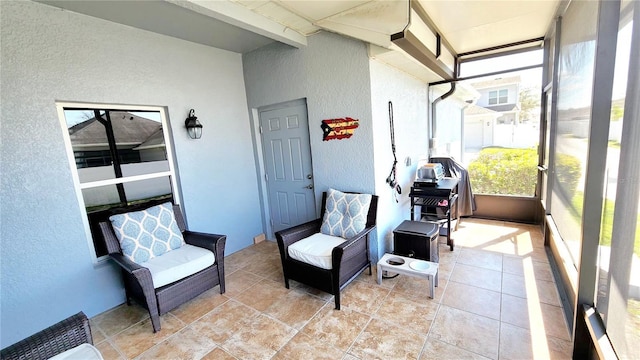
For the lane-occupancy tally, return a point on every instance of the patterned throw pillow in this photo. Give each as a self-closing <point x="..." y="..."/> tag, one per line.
<point x="149" y="233"/>
<point x="345" y="214"/>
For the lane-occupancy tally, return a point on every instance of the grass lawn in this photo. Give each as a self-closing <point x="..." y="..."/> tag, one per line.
<point x="607" y="221"/>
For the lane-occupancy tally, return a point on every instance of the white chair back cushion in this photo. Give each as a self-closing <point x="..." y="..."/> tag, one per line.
<point x="178" y="264"/>
<point x="148" y="233"/>
<point x="315" y="250"/>
<point x="345" y="214"/>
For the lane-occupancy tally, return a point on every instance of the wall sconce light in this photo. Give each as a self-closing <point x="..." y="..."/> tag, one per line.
<point x="194" y="128"/>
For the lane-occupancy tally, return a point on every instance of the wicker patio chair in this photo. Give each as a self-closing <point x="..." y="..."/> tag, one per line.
<point x="348" y="259"/>
<point x="138" y="283"/>
<point x="56" y="339"/>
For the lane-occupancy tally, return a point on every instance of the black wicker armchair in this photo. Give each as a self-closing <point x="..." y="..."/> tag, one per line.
<point x="348" y="259"/>
<point x="54" y="340"/>
<point x="138" y="283"/>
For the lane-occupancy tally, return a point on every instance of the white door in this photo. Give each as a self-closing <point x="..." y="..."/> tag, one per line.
<point x="287" y="159"/>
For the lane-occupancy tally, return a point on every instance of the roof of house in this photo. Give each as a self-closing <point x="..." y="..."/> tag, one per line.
<point x="127" y="129"/>
<point x="473" y="109"/>
<point x="504" y="107"/>
<point x="496" y="82"/>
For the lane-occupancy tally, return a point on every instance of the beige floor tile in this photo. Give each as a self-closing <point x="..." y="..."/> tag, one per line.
<point x="548" y="292"/>
<point x="262" y="295"/>
<point x="186" y="344"/>
<point x="221" y="327"/>
<point x="418" y="288"/>
<point x="199" y="306"/>
<point x="513" y="265"/>
<point x="373" y="279"/>
<point x="515" y="310"/>
<point x="239" y="281"/>
<point x="542" y="271"/>
<point x="471" y="332"/>
<point x="262" y="338"/>
<point x="438" y="350"/>
<point x="140" y="337"/>
<point x="263" y="265"/>
<point x="310" y="290"/>
<point x="544" y="291"/>
<point x="514" y="285"/>
<point x="222" y="322"/>
<point x="384" y="340"/>
<point x="363" y="297"/>
<point x="295" y="308"/>
<point x="472" y="299"/>
<point x="535" y="316"/>
<point x="276" y="275"/>
<point x="481" y="258"/>
<point x="240" y="259"/>
<point x="96" y="333"/>
<point x="518" y="344"/>
<point x="303" y="346"/>
<point x="416" y="316"/>
<point x="446" y="255"/>
<point x="478" y="277"/>
<point x="266" y="247"/>
<point x="218" y="354"/>
<point x="120" y="318"/>
<point x="337" y="327"/>
<point x="108" y="351"/>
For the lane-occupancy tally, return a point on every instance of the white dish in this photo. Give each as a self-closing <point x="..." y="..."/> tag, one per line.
<point x="419" y="265"/>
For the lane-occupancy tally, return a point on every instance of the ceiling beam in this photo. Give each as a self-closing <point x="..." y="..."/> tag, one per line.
<point x="244" y="18"/>
<point x="422" y="40"/>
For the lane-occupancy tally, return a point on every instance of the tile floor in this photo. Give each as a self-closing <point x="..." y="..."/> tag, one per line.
<point x="496" y="300"/>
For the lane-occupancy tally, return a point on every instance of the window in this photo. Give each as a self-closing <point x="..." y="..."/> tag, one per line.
<point x="498" y="97"/>
<point x="577" y="50"/>
<point x="498" y="148"/>
<point x="488" y="123"/>
<point x="121" y="158"/>
<point x="618" y="287"/>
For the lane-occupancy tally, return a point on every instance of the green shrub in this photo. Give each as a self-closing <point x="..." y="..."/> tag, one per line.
<point x="504" y="171"/>
<point x="568" y="173"/>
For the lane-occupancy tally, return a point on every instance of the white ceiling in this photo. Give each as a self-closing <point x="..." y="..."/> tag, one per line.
<point x="245" y="25"/>
<point x="472" y="25"/>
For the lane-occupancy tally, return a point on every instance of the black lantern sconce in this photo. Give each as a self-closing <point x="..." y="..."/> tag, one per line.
<point x="194" y="128"/>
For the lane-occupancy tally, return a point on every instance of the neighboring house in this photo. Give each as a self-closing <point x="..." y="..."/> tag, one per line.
<point x="499" y="109"/>
<point x="502" y="96"/>
<point x="137" y="139"/>
<point x="479" y="127"/>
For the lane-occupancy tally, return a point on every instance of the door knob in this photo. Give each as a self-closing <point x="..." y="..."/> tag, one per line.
<point x="310" y="186"/>
<point x="309" y="176"/>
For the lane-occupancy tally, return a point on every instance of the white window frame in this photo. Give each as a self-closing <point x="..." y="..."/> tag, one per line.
<point x="61" y="106"/>
<point x="498" y="96"/>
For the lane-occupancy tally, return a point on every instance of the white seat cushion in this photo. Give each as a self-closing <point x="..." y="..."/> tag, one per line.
<point x="179" y="263"/>
<point x="81" y="352"/>
<point x="315" y="250"/>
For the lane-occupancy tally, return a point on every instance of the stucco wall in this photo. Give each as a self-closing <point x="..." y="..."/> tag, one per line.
<point x="48" y="55"/>
<point x="338" y="79"/>
<point x="332" y="73"/>
<point x="409" y="98"/>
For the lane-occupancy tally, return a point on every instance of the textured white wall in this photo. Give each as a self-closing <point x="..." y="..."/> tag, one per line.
<point x="332" y="73"/>
<point x="48" y="54"/>
<point x="409" y="98"/>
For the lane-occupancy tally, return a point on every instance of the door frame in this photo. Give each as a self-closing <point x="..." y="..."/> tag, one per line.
<point x="259" y="160"/>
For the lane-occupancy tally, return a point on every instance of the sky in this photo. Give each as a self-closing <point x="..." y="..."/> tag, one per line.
<point x="74" y="117"/>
